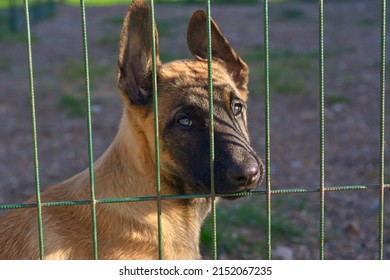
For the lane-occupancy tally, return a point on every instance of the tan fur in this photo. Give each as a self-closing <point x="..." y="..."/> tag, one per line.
<point x="125" y="230"/>
<point x="127" y="168"/>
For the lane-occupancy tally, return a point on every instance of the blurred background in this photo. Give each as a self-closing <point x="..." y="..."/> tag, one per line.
<point x="352" y="112"/>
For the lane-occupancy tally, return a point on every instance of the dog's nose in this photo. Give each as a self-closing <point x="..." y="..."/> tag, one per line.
<point x="244" y="175"/>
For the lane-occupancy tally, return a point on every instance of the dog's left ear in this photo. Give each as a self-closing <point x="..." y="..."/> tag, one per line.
<point x="135" y="54"/>
<point x="221" y="49"/>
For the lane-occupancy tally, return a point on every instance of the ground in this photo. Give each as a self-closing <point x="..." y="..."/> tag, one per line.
<point x="352" y="88"/>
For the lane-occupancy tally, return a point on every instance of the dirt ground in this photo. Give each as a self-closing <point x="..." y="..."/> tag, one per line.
<point x="352" y="86"/>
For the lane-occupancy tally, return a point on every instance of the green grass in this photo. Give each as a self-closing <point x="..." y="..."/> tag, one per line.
<point x="74" y="106"/>
<point x="109" y="39"/>
<point x="256" y="53"/>
<point x="241" y="225"/>
<point x="114" y="20"/>
<point x="5" y="62"/>
<point x="165" y="27"/>
<point x="73" y="70"/>
<point x="5" y="3"/>
<point x="7" y="36"/>
<point x="288" y="14"/>
<point x="332" y="99"/>
<point x="126" y="2"/>
<point x="291" y="71"/>
<point x="366" y="22"/>
<point x="72" y="80"/>
<point x="17" y="35"/>
<point x="167" y="56"/>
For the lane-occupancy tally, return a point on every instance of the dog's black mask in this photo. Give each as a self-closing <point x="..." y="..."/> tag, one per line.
<point x="237" y="168"/>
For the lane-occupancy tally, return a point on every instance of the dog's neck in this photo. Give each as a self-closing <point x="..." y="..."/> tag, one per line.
<point x="127" y="169"/>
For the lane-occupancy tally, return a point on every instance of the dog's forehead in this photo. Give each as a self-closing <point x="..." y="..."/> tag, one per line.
<point x="190" y="79"/>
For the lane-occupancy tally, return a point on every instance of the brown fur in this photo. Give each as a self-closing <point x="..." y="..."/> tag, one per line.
<point x="127" y="168"/>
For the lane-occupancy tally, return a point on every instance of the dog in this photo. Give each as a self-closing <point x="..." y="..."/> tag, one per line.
<point x="127" y="168"/>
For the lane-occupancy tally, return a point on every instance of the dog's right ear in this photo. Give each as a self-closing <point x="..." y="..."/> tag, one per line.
<point x="135" y="54"/>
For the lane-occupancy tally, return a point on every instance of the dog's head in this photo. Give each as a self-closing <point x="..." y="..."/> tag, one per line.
<point x="184" y="105"/>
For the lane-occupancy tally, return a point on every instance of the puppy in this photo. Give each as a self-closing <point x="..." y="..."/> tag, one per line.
<point x="127" y="169"/>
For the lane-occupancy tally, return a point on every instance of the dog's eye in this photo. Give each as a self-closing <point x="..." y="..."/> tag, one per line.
<point x="185" y="122"/>
<point x="237" y="109"/>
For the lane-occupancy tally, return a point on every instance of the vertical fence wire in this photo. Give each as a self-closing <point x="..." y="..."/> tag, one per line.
<point x="267" y="130"/>
<point x="211" y="129"/>
<point x="211" y="116"/>
<point x="382" y="134"/>
<point x="156" y="132"/>
<point x="89" y="127"/>
<point x="34" y="132"/>
<point x="322" y="129"/>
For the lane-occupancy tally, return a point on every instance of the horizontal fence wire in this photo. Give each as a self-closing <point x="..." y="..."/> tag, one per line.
<point x="268" y="192"/>
<point x="284" y="191"/>
<point x="34" y="132"/>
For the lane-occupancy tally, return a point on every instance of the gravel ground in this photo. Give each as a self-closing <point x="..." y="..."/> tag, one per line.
<point x="352" y="84"/>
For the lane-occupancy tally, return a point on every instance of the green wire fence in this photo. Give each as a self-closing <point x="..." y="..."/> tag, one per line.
<point x="211" y="126"/>
<point x="156" y="132"/>
<point x="322" y="127"/>
<point x="267" y="130"/>
<point x="268" y="192"/>
<point x="382" y="133"/>
<point x="34" y="132"/>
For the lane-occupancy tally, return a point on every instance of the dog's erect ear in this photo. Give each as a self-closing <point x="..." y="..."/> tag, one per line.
<point x="135" y="54"/>
<point x="221" y="49"/>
